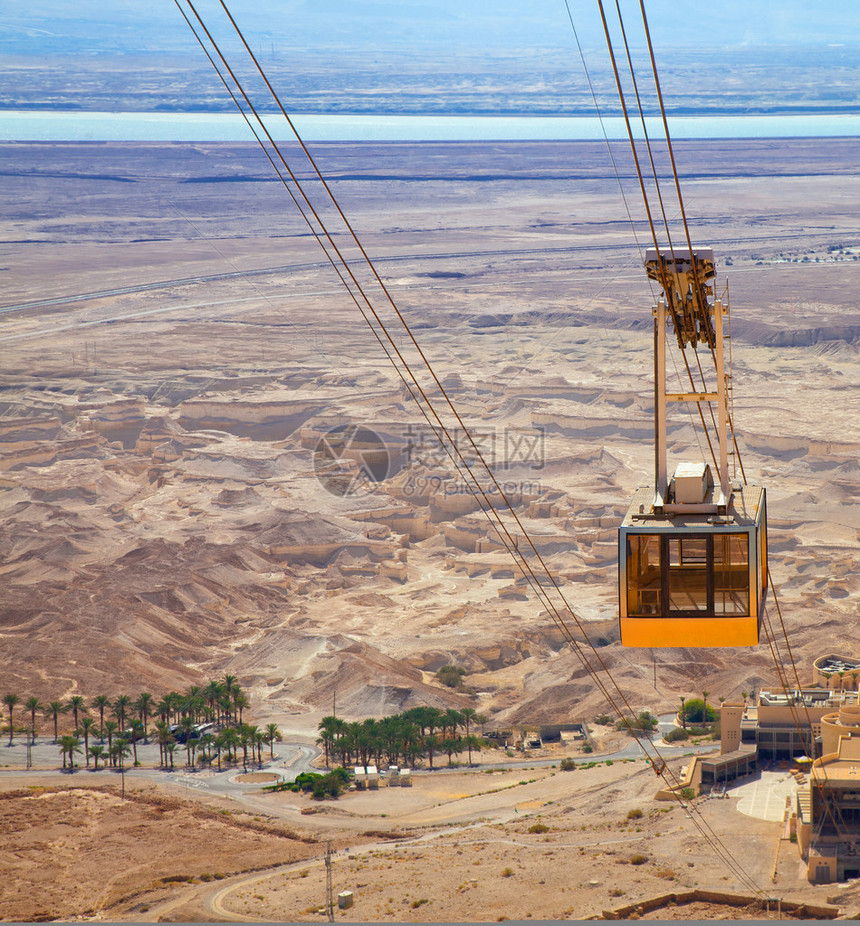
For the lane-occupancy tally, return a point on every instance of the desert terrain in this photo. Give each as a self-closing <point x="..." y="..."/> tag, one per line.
<point x="178" y="353"/>
<point x="481" y="844"/>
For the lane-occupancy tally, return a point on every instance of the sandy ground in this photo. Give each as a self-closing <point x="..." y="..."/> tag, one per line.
<point x="72" y="852"/>
<point x="474" y="845"/>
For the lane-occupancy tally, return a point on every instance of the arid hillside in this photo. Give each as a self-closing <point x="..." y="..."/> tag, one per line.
<point x="191" y="404"/>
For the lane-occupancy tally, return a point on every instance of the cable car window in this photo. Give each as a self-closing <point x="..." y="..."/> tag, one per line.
<point x="644" y="575"/>
<point x="693" y="551"/>
<point x="689" y="575"/>
<point x="731" y="574"/>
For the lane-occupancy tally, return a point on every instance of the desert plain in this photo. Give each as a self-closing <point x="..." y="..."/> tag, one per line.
<point x="177" y="356"/>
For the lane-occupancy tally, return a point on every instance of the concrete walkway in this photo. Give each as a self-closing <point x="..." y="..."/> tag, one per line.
<point x="765" y="797"/>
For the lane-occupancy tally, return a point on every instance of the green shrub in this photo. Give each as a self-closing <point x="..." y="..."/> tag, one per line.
<point x="645" y="722"/>
<point x="638" y="859"/>
<point x="603" y="719"/>
<point x="635" y="814"/>
<point x="693" y="711"/>
<point x="568" y="765"/>
<point x="588" y="748"/>
<point x="452" y="676"/>
<point x="538" y="828"/>
<point x="674" y="736"/>
<point x="305" y="781"/>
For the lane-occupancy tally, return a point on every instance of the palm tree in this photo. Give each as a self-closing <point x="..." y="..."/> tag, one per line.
<point x="118" y="752"/>
<point x="100" y="702"/>
<point x="472" y="742"/>
<point x="69" y="745"/>
<point x="705" y="706"/>
<point x="97" y="752"/>
<point x="169" y="749"/>
<point x="136" y="728"/>
<point x="194" y="703"/>
<point x="272" y="734"/>
<point x="186" y="728"/>
<point x="175" y="701"/>
<point x="207" y="745"/>
<point x="230" y="684"/>
<point x="212" y="694"/>
<point x="163" y="736"/>
<point x="431" y="744"/>
<point x="251" y="733"/>
<point x="469" y="715"/>
<point x="119" y="707"/>
<point x="451" y="719"/>
<point x="77" y="704"/>
<point x="244" y="742"/>
<point x="163" y="710"/>
<point x="54" y="709"/>
<point x="143" y="706"/>
<point x="88" y="725"/>
<point x="240" y="702"/>
<point x="366" y="736"/>
<point x="32" y="705"/>
<point x="10" y="700"/>
<point x="327" y="727"/>
<point x="683" y="715"/>
<point x="451" y="745"/>
<point x="108" y="730"/>
<point x="223" y="743"/>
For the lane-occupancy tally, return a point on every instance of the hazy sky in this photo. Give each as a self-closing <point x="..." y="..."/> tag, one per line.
<point x="31" y="26"/>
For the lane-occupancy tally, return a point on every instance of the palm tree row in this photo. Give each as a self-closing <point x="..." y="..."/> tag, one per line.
<point x="220" y="702"/>
<point x="400" y="738"/>
<point x="211" y="747"/>
<point x="70" y="745"/>
<point x="204" y="749"/>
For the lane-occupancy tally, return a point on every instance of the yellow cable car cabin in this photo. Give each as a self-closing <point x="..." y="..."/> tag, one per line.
<point x="695" y="580"/>
<point x="692" y="553"/>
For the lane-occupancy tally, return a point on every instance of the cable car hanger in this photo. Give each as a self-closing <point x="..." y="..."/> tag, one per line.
<point x="692" y="553"/>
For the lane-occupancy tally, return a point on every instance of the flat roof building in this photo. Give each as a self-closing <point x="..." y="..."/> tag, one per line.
<point x="828" y="815"/>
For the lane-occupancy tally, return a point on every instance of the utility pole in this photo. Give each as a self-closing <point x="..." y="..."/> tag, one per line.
<point x="329" y="893"/>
